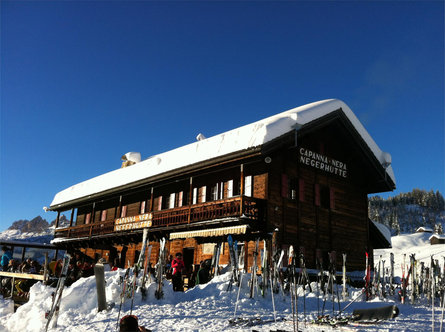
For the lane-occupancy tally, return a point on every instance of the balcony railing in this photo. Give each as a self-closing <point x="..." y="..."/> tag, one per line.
<point x="246" y="207"/>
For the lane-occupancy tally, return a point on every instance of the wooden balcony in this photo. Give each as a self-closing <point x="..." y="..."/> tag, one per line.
<point x="248" y="208"/>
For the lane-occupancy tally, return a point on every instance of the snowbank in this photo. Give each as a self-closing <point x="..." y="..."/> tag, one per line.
<point x="209" y="307"/>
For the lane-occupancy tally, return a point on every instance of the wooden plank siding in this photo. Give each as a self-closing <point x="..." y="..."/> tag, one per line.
<point x="312" y="208"/>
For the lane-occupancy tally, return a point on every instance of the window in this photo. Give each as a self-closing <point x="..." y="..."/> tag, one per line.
<point x="195" y="196"/>
<point x="87" y="218"/>
<point x="324" y="196"/>
<point x="203" y="194"/>
<point x="292" y="188"/>
<point x="217" y="191"/>
<point x="214" y="192"/>
<point x="230" y="188"/>
<point x="248" y="185"/>
<point x="171" y="201"/>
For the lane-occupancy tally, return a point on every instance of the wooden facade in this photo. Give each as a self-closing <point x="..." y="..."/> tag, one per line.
<point x="310" y="184"/>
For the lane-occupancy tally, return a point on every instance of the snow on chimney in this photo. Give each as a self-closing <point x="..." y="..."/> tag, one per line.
<point x="130" y="158"/>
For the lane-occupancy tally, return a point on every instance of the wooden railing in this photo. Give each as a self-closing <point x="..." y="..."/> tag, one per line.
<point x="246" y="207"/>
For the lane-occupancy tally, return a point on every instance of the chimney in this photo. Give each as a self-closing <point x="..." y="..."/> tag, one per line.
<point x="130" y="158"/>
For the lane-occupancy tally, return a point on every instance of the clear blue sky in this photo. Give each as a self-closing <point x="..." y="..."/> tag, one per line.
<point x="83" y="82"/>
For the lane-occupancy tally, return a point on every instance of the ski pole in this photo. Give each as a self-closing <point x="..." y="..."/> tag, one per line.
<point x="273" y="301"/>
<point x="441" y="319"/>
<point x="353" y="300"/>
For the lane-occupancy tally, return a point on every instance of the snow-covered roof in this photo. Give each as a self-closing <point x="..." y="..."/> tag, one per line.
<point x="424" y="229"/>
<point x="437" y="236"/>
<point x="384" y="230"/>
<point x="239" y="139"/>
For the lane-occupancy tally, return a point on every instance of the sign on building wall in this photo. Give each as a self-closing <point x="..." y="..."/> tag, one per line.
<point x="324" y="163"/>
<point x="208" y="248"/>
<point x="135" y="222"/>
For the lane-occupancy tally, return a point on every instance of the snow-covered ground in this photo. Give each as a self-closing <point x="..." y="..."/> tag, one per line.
<point x="210" y="307"/>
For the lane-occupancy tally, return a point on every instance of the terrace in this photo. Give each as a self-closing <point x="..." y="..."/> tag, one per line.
<point x="241" y="207"/>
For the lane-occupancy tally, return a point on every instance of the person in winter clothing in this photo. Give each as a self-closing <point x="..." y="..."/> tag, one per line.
<point x="6" y="257"/>
<point x="203" y="273"/>
<point x="178" y="266"/>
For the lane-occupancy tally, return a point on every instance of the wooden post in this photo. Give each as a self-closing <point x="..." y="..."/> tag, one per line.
<point x="150" y="208"/>
<point x="241" y="188"/>
<point x="57" y="219"/>
<point x="72" y="217"/>
<point x="93" y="213"/>
<point x="23" y="253"/>
<point x="190" y="200"/>
<point x="119" y="209"/>
<point x="45" y="267"/>
<point x="100" y="287"/>
<point x="92" y="219"/>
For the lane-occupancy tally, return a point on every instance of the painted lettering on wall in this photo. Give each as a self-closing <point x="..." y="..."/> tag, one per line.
<point x="134" y="222"/>
<point x="324" y="163"/>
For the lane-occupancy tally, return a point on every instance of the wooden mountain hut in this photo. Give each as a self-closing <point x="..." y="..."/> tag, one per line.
<point x="305" y="173"/>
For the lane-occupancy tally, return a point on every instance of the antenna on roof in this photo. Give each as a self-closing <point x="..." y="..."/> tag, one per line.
<point x="200" y="137"/>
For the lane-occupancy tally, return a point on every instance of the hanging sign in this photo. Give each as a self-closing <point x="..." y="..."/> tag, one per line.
<point x="324" y="163"/>
<point x="134" y="222"/>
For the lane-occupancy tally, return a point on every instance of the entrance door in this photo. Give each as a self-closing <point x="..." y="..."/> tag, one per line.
<point x="188" y="254"/>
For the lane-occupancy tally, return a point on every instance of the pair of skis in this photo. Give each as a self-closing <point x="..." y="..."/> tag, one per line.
<point x="233" y="253"/>
<point x="214" y="268"/>
<point x="53" y="313"/>
<point x="253" y="284"/>
<point x="159" y="293"/>
<point x="129" y="284"/>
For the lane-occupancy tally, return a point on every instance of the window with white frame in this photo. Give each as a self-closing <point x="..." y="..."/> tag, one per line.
<point x="248" y="186"/>
<point x="230" y="188"/>
<point x="195" y="196"/>
<point x="171" y="201"/>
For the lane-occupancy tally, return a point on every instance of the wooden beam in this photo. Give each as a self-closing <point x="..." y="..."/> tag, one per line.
<point x="57" y="219"/>
<point x="22" y="275"/>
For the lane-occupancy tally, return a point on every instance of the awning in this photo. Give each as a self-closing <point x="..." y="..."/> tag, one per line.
<point x="210" y="232"/>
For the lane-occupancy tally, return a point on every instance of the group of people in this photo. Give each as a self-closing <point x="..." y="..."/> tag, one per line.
<point x="176" y="268"/>
<point x="9" y="264"/>
<point x="78" y="267"/>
